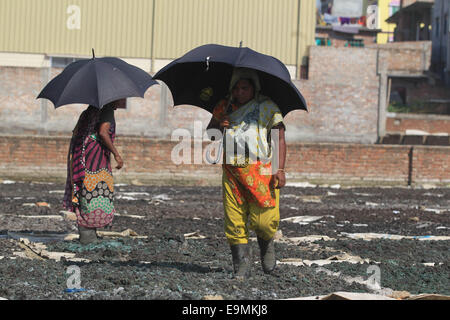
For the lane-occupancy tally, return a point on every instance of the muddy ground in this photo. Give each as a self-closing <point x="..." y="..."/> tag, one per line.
<point x="182" y="252"/>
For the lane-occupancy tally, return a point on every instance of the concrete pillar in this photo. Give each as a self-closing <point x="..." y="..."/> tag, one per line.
<point x="45" y="78"/>
<point x="382" y="96"/>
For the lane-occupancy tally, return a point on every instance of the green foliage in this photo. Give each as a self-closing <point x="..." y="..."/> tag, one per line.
<point x="417" y="106"/>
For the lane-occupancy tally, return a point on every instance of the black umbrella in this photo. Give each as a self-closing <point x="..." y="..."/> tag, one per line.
<point x="202" y="76"/>
<point x="96" y="82"/>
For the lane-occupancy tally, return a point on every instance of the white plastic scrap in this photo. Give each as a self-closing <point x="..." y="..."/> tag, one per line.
<point x="371" y="236"/>
<point x="300" y="185"/>
<point x="438" y="211"/>
<point x="161" y="197"/>
<point x="302" y="219"/>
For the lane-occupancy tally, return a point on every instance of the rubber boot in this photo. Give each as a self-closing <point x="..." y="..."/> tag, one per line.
<point x="87" y="235"/>
<point x="241" y="260"/>
<point x="267" y="250"/>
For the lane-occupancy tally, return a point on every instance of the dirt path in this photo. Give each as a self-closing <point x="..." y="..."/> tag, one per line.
<point x="182" y="252"/>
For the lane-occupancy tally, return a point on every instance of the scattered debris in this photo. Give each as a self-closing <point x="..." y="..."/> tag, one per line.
<point x="69" y="215"/>
<point x="37" y="250"/>
<point x="278" y="235"/>
<point x="371" y="204"/>
<point x="43" y="204"/>
<point x="132" y="194"/>
<point x="121" y="197"/>
<point x="217" y="297"/>
<point x="118" y="291"/>
<point x="129" y="216"/>
<point x="180" y="268"/>
<point x="300" y="185"/>
<point x="429" y="297"/>
<point x="400" y="295"/>
<point x="314" y="199"/>
<point x="424" y="225"/>
<point x="29" y="204"/>
<point x="194" y="235"/>
<point x="302" y="219"/>
<point x="355" y="296"/>
<point x="111" y="234"/>
<point x="136" y="183"/>
<point x="433" y="194"/>
<point x="371" y="236"/>
<point x="73" y="290"/>
<point x="311" y="238"/>
<point x="438" y="211"/>
<point x="161" y="197"/>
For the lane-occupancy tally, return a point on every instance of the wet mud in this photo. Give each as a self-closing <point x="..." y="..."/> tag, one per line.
<point x="182" y="253"/>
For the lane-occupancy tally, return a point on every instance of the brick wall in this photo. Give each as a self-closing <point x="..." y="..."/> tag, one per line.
<point x="431" y="164"/>
<point x="407" y="56"/>
<point x="348" y="162"/>
<point x="341" y="93"/>
<point x="399" y="123"/>
<point x="149" y="160"/>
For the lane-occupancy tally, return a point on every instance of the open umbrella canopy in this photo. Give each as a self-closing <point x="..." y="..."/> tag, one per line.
<point x="96" y="82"/>
<point x="202" y="76"/>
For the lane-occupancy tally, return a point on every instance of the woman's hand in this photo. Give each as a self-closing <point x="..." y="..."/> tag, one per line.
<point x="224" y="122"/>
<point x="119" y="161"/>
<point x="279" y="179"/>
<point x="106" y="139"/>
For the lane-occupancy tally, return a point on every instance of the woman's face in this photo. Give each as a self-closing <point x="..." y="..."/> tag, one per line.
<point x="243" y="91"/>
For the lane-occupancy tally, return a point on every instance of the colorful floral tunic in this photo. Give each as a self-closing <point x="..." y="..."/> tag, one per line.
<point x="90" y="185"/>
<point x="247" y="152"/>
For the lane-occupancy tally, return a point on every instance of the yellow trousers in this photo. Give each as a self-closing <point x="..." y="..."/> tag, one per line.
<point x="240" y="218"/>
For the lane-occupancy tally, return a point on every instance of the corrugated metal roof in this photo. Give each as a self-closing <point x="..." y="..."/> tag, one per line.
<point x="122" y="28"/>
<point x="267" y="26"/>
<point x="73" y="27"/>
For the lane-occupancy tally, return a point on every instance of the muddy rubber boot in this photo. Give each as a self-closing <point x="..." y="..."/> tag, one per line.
<point x="87" y="235"/>
<point x="267" y="249"/>
<point x="241" y="260"/>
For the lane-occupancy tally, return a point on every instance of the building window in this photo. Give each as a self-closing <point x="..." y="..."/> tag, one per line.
<point x="323" y="42"/>
<point x="359" y="43"/>
<point x="62" y="62"/>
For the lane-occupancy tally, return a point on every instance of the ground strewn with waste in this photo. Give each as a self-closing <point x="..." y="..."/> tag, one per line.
<point x="168" y="243"/>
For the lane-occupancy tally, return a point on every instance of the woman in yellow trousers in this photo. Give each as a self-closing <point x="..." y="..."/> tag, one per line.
<point x="250" y="180"/>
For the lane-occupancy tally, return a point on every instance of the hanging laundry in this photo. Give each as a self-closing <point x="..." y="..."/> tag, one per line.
<point x="344" y="20"/>
<point x="362" y="21"/>
<point x="329" y="19"/>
